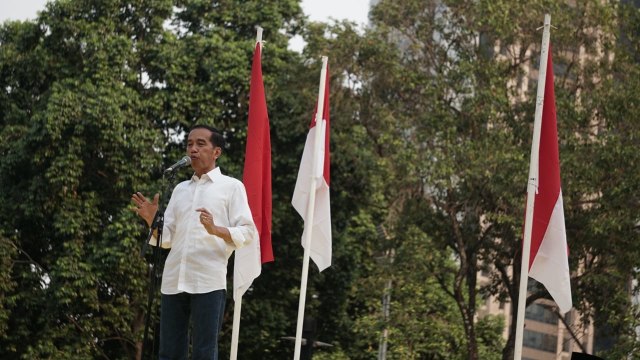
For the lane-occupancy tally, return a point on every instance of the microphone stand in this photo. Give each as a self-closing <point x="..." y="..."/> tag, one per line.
<point x="154" y="275"/>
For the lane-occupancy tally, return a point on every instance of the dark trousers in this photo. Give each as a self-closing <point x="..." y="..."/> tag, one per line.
<point x="205" y="312"/>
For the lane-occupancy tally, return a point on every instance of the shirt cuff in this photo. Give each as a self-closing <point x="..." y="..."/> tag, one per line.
<point x="238" y="238"/>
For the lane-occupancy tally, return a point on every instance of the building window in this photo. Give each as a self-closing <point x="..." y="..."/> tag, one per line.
<point x="540" y="341"/>
<point x="541" y="313"/>
<point x="533" y="285"/>
<point x="566" y="345"/>
<point x="568" y="317"/>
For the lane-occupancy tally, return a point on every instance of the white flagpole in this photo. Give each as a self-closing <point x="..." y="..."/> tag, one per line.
<point x="236" y="327"/>
<point x="308" y="223"/>
<point x="532" y="188"/>
<point x="237" y="308"/>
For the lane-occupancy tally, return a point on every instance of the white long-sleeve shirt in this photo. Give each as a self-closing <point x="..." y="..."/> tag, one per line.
<point x="197" y="261"/>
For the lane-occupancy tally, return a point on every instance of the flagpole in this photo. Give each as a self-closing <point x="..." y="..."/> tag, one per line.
<point x="310" y="210"/>
<point x="237" y="308"/>
<point x="532" y="187"/>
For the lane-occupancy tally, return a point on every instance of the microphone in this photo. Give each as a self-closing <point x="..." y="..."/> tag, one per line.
<point x="182" y="162"/>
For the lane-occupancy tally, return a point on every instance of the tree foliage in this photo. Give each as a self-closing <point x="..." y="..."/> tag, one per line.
<point x="95" y="94"/>
<point x="445" y="94"/>
<point x="72" y="120"/>
<point x="432" y="109"/>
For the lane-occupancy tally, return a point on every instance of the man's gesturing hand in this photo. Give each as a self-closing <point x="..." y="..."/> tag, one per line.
<point x="144" y="208"/>
<point x="206" y="219"/>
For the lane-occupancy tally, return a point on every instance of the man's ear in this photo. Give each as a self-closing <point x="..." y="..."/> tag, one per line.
<point x="217" y="152"/>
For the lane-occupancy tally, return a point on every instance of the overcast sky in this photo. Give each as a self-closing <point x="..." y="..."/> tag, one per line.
<point x="317" y="10"/>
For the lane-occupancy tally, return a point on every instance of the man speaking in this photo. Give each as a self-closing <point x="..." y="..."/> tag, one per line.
<point x="206" y="219"/>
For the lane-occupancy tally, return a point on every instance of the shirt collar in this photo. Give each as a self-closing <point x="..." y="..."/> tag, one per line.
<point x="211" y="175"/>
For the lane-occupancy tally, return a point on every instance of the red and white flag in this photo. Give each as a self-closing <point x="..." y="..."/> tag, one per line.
<point x="320" y="225"/>
<point x="549" y="260"/>
<point x="257" y="180"/>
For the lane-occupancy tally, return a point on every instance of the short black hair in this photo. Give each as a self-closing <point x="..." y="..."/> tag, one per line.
<point x="217" y="138"/>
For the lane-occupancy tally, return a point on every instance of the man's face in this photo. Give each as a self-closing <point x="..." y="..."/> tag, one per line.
<point x="202" y="152"/>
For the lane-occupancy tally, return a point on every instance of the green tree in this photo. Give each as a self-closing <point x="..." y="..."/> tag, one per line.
<point x="95" y="94"/>
<point x="430" y="144"/>
<point x="72" y="118"/>
<point x="450" y="123"/>
<point x="471" y="130"/>
<point x="391" y="256"/>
